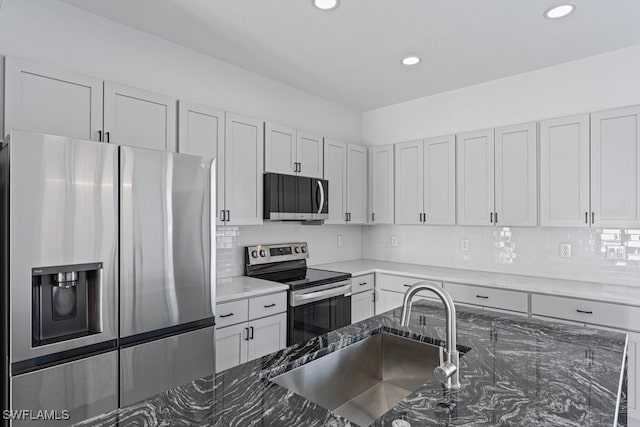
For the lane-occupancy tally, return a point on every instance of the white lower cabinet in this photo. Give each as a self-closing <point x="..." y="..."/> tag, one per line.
<point x="237" y="343"/>
<point x="388" y="300"/>
<point x="362" y="306"/>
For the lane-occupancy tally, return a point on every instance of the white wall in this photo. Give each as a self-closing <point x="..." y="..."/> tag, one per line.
<point x="600" y="82"/>
<point x="55" y="33"/>
<point x="323" y="243"/>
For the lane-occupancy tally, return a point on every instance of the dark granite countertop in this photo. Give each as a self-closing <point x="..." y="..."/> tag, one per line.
<point x="517" y="371"/>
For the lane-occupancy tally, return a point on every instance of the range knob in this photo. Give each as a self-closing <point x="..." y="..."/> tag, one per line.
<point x="296" y="250"/>
<point x="304" y="249"/>
<point x="254" y="254"/>
<point x="263" y="253"/>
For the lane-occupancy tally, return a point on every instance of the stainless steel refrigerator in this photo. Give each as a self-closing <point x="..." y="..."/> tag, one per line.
<point x="107" y="267"/>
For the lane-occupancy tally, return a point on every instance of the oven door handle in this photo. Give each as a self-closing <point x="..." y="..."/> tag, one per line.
<point x="310" y="297"/>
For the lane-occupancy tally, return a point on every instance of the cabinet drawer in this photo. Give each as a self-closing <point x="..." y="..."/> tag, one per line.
<point x="401" y="283"/>
<point x="362" y="283"/>
<point x="488" y="297"/>
<point x="267" y="305"/>
<point x="584" y="311"/>
<point x="230" y="313"/>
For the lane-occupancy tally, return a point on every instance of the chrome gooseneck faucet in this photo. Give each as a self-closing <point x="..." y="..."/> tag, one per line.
<point x="447" y="372"/>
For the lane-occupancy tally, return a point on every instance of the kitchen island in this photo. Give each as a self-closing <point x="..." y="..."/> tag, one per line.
<point x="514" y="371"/>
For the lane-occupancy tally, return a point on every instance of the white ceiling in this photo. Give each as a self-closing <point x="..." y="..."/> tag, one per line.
<point x="352" y="55"/>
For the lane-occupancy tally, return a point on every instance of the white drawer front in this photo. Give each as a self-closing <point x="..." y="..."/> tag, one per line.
<point x="267" y="305"/>
<point x="230" y="313"/>
<point x="362" y="283"/>
<point x="488" y="297"/>
<point x="401" y="283"/>
<point x="584" y="311"/>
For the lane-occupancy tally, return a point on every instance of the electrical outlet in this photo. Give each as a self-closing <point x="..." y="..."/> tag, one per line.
<point x="565" y="250"/>
<point x="340" y="239"/>
<point x="464" y="245"/>
<point x="394" y="240"/>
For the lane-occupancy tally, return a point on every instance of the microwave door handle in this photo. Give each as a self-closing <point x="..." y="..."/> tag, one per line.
<point x="321" y="188"/>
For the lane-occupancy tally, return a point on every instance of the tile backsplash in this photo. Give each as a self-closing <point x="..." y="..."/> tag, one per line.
<point x="323" y="243"/>
<point x="600" y="255"/>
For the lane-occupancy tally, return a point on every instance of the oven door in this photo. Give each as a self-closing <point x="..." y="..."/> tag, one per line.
<point x="318" y="310"/>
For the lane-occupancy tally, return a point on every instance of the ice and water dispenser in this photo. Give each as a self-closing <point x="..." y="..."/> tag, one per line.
<point x="66" y="302"/>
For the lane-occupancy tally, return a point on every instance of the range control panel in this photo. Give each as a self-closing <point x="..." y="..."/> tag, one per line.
<point x="264" y="254"/>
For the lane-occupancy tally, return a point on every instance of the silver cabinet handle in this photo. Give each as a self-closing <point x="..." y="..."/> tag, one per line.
<point x="321" y="197"/>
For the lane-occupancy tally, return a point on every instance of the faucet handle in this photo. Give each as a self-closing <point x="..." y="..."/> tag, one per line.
<point x="445" y="371"/>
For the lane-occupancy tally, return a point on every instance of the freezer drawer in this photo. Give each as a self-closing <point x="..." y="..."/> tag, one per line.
<point x="86" y="388"/>
<point x="151" y="368"/>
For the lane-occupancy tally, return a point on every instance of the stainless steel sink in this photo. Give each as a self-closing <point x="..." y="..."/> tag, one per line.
<point x="363" y="381"/>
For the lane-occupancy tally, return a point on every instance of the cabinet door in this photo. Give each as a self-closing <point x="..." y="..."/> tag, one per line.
<point x="516" y="175"/>
<point x="381" y="187"/>
<point x="243" y="170"/>
<point x="564" y="171"/>
<point x="356" y="184"/>
<point x="279" y="149"/>
<point x="388" y="300"/>
<point x="309" y="154"/>
<point x="361" y="306"/>
<point x="475" y="168"/>
<point x="335" y="171"/>
<point x="201" y="132"/>
<point x="139" y="118"/>
<point x="267" y="335"/>
<point x="440" y="180"/>
<point x="615" y="168"/>
<point x="409" y="182"/>
<point x="231" y="346"/>
<point x="47" y="100"/>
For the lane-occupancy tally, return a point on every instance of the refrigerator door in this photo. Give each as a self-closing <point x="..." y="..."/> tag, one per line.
<point x="165" y="281"/>
<point x="154" y="367"/>
<point x="63" y="202"/>
<point x="71" y="392"/>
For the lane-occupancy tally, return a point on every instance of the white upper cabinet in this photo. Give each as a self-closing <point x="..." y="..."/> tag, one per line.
<point x="335" y="171"/>
<point x="201" y="132"/>
<point x="292" y="152"/>
<point x="497" y="176"/>
<point x="516" y="175"/>
<point x="440" y="180"/>
<point x="381" y="187"/>
<point x="356" y="184"/>
<point x="280" y="149"/>
<point x="615" y="168"/>
<point x="345" y="167"/>
<point x="139" y="118"/>
<point x="309" y="154"/>
<point x="475" y="176"/>
<point x="564" y="172"/>
<point x="201" y="129"/>
<point x="409" y="182"/>
<point x="243" y="167"/>
<point x="44" y="99"/>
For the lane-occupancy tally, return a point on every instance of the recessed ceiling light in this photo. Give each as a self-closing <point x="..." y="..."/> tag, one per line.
<point x="559" y="11"/>
<point x="325" y="4"/>
<point x="411" y="60"/>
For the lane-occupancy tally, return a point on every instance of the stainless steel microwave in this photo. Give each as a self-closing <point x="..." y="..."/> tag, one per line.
<point x="295" y="198"/>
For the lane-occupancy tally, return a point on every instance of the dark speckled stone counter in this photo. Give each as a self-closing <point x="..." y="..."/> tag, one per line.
<point x="517" y="371"/>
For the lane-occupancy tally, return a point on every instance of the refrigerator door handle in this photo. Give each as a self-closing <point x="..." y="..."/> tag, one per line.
<point x="212" y="241"/>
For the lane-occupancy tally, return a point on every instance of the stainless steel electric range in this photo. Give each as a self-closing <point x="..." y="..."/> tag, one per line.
<point x="319" y="301"/>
